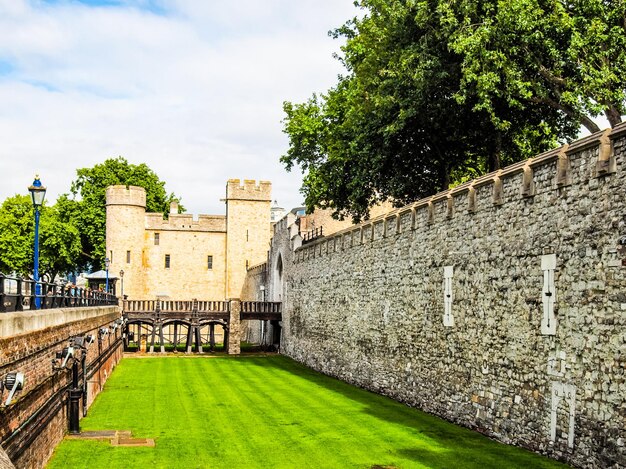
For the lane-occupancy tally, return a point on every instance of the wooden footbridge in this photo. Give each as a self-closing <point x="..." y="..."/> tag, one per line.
<point x="157" y="323"/>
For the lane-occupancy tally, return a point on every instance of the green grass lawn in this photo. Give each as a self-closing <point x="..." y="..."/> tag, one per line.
<point x="268" y="412"/>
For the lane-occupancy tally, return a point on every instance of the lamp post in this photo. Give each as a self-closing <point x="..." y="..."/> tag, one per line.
<point x="122" y="282"/>
<point x="107" y="262"/>
<point x="38" y="193"/>
<point x="263" y="325"/>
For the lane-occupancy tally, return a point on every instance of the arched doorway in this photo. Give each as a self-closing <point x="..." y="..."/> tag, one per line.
<point x="277" y="290"/>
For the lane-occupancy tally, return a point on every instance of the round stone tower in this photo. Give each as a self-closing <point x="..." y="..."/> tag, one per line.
<point x="125" y="227"/>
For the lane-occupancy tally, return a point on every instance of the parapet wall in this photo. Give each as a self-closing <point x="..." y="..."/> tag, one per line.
<point x="126" y="195"/>
<point x="249" y="190"/>
<point x="37" y="419"/>
<point x="499" y="305"/>
<point x="185" y="222"/>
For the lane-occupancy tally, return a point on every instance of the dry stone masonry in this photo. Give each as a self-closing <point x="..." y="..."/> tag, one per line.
<point x="499" y="305"/>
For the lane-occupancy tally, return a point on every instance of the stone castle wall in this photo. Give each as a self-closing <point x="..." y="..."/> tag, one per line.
<point x="256" y="276"/>
<point x="37" y="419"/>
<point x="139" y="243"/>
<point x="323" y="218"/>
<point x="499" y="305"/>
<point x="248" y="227"/>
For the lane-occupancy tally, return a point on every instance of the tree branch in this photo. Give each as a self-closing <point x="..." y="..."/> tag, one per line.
<point x="544" y="72"/>
<point x="613" y="115"/>
<point x="584" y="120"/>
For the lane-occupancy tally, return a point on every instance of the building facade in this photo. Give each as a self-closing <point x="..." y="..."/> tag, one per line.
<point x="182" y="257"/>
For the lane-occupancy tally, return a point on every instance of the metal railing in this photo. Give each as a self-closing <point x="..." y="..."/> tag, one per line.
<point x="18" y="294"/>
<point x="312" y="235"/>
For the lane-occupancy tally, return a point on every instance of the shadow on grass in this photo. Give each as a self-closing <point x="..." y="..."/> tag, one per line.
<point x="449" y="445"/>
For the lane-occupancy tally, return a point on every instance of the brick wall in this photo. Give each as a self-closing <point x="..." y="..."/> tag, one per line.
<point x="36" y="420"/>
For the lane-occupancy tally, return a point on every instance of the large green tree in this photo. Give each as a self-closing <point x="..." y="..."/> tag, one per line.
<point x="411" y="115"/>
<point x="16" y="235"/>
<point x="59" y="241"/>
<point x="568" y="55"/>
<point x="88" y="208"/>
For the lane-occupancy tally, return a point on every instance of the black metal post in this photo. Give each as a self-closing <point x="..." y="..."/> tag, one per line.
<point x="74" y="401"/>
<point x="198" y="340"/>
<point x="19" y="305"/>
<point x="3" y="307"/>
<point x="84" y="366"/>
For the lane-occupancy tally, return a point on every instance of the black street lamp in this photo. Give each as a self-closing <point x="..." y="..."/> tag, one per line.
<point x="107" y="263"/>
<point x="38" y="194"/>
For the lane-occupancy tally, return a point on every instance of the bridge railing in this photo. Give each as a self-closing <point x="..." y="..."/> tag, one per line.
<point x="175" y="306"/>
<point x="18" y="294"/>
<point x="213" y="306"/>
<point x="260" y="310"/>
<point x="139" y="306"/>
<point x="176" y="309"/>
<point x="260" y="307"/>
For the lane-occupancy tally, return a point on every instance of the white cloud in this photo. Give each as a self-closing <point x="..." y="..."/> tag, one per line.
<point x="195" y="92"/>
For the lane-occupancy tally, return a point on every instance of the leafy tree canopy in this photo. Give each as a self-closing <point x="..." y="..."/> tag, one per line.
<point x="59" y="242"/>
<point x="88" y="212"/>
<point x="435" y="93"/>
<point x="568" y="55"/>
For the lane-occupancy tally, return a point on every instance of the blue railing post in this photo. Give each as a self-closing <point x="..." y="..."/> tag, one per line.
<point x="36" y="269"/>
<point x="3" y="307"/>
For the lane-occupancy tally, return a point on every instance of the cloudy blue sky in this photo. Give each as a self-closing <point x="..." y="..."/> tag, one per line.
<point x="193" y="88"/>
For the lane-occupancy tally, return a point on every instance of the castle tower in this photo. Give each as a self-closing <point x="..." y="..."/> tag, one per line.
<point x="125" y="226"/>
<point x="247" y="230"/>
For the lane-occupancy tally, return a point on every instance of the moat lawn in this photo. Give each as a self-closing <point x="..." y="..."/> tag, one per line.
<point x="268" y="412"/>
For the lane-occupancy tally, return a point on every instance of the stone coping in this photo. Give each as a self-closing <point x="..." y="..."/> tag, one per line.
<point x="560" y="154"/>
<point x="25" y="322"/>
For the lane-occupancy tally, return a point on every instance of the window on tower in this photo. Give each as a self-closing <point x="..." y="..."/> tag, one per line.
<point x="167" y="261"/>
<point x="156" y="238"/>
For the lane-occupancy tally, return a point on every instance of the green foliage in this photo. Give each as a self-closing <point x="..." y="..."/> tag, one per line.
<point x="16" y="235"/>
<point x="73" y="231"/>
<point x="250" y="412"/>
<point x="570" y="56"/>
<point x="59" y="240"/>
<point x="439" y="90"/>
<point x="89" y="211"/>
<point x="60" y="244"/>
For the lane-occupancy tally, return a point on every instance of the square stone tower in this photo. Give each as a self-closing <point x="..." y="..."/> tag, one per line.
<point x="247" y="229"/>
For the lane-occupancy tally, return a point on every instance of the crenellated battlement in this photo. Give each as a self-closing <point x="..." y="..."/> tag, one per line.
<point x="581" y="161"/>
<point x="185" y="222"/>
<point x="126" y="195"/>
<point x="249" y="190"/>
